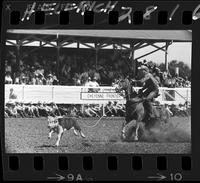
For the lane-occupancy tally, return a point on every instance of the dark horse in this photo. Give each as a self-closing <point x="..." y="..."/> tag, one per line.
<point x="135" y="109"/>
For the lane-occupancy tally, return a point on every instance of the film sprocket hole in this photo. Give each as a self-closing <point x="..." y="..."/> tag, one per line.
<point x="100" y="90"/>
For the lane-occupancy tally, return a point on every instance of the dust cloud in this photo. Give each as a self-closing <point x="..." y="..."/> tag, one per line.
<point x="176" y="130"/>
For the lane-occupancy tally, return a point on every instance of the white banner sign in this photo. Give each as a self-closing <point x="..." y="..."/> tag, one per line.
<point x="101" y="96"/>
<point x="84" y="95"/>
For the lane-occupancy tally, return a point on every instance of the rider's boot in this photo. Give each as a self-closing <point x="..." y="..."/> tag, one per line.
<point x="149" y="110"/>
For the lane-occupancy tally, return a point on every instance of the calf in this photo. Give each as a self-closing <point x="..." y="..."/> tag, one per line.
<point x="60" y="124"/>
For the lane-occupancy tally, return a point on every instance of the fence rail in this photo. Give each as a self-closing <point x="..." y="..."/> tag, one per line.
<point x="85" y="95"/>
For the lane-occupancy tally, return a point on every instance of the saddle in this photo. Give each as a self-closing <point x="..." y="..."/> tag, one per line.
<point x="136" y="100"/>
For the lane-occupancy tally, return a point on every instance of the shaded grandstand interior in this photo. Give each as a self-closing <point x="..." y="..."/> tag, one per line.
<point x="73" y="62"/>
<point x="67" y="64"/>
<point x="75" y="66"/>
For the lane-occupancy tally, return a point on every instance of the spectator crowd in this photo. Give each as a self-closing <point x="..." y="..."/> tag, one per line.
<point x="73" y="69"/>
<point x="111" y="109"/>
<point x="30" y="110"/>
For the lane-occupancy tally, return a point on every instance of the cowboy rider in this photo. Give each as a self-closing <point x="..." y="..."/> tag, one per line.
<point x="150" y="89"/>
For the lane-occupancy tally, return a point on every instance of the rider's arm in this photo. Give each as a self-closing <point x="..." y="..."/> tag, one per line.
<point x="143" y="80"/>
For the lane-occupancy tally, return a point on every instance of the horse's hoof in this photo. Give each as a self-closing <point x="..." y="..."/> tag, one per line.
<point x="136" y="139"/>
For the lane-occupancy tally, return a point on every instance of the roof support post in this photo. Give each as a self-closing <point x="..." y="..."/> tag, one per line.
<point x="58" y="62"/>
<point x="58" y="57"/>
<point x="96" y="54"/>
<point x="166" y="55"/>
<point x="17" y="68"/>
<point x="133" y="63"/>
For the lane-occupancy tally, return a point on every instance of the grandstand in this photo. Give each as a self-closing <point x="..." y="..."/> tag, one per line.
<point x="96" y="40"/>
<point x="40" y="58"/>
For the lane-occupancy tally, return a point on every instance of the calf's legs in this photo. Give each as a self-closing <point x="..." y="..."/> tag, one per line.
<point x="50" y="133"/>
<point x="60" y="133"/>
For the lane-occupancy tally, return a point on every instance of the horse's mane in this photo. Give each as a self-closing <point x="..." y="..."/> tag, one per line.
<point x="130" y="93"/>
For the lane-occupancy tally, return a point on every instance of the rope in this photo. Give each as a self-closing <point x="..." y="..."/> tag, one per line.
<point x="89" y="126"/>
<point x="92" y="126"/>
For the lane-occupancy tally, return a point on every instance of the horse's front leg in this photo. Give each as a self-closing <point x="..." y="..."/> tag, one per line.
<point x="123" y="132"/>
<point x="136" y="131"/>
<point x="128" y="119"/>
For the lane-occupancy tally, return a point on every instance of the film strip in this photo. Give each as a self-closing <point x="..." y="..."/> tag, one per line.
<point x="88" y="54"/>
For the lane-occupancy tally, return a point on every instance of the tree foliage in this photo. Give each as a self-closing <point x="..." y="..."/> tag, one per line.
<point x="184" y="69"/>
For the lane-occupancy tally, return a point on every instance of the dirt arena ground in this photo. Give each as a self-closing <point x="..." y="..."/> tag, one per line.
<point x="31" y="136"/>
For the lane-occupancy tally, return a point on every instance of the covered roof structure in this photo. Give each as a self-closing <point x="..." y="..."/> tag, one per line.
<point x="130" y="40"/>
<point x="154" y="35"/>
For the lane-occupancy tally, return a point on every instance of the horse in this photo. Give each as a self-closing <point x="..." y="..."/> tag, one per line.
<point x="135" y="110"/>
